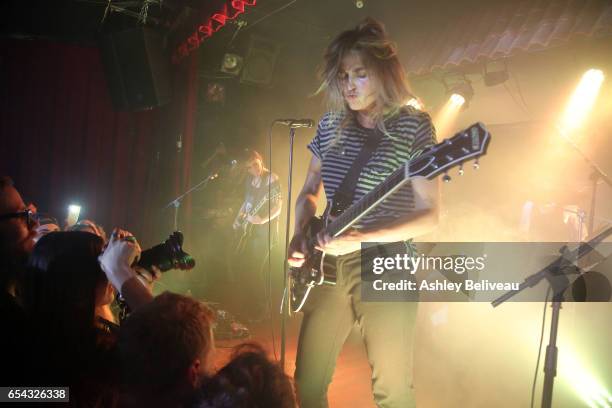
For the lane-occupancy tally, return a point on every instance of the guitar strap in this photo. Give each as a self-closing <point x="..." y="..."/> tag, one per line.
<point x="343" y="197"/>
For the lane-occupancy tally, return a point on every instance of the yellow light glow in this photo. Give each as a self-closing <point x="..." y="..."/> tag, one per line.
<point x="457" y="99"/>
<point x="590" y="390"/>
<point x="581" y="101"/>
<point x="445" y="119"/>
<point x="415" y="103"/>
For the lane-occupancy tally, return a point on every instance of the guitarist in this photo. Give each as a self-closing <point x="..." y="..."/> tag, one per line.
<point x="366" y="91"/>
<point x="256" y="221"/>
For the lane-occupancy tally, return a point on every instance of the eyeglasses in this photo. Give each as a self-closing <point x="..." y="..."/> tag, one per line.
<point x="29" y="215"/>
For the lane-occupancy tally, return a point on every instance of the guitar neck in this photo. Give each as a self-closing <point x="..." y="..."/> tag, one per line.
<point x="263" y="201"/>
<point x="470" y="142"/>
<point x="364" y="205"/>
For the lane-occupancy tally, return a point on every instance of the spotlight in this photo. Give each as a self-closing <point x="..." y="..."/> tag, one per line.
<point x="415" y="103"/>
<point x="232" y="64"/>
<point x="582" y="100"/>
<point x="585" y="383"/>
<point x="457" y="99"/>
<point x="461" y="94"/>
<point x="359" y="3"/>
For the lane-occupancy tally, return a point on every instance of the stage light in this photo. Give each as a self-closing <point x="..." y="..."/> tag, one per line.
<point x="359" y="3"/>
<point x="581" y="101"/>
<point x="588" y="388"/>
<point x="232" y="64"/>
<point x="215" y="93"/>
<point x="495" y="73"/>
<point x="457" y="99"/>
<point x="415" y="103"/>
<point x="446" y="117"/>
<point x="461" y="94"/>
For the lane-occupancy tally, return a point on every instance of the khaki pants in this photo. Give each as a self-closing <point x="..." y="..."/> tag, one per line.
<point x="387" y="329"/>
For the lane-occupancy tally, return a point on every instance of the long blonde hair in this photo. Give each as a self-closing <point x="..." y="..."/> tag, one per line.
<point x="379" y="56"/>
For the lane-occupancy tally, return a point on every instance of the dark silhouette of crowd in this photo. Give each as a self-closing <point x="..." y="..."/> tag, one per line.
<point x="57" y="286"/>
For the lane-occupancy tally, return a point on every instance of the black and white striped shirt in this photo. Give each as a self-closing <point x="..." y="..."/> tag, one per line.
<point x="409" y="133"/>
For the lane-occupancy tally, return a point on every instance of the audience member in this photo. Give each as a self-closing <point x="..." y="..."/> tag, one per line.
<point x="46" y="225"/>
<point x="63" y="286"/>
<point x="89" y="226"/>
<point x="17" y="231"/>
<point x="166" y="350"/>
<point x="249" y="380"/>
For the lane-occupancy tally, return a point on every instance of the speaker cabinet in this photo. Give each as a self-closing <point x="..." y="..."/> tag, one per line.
<point x="260" y="60"/>
<point x="137" y="69"/>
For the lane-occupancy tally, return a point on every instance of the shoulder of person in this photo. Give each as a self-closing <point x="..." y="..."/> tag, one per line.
<point x="331" y="120"/>
<point x="272" y="178"/>
<point x="409" y="113"/>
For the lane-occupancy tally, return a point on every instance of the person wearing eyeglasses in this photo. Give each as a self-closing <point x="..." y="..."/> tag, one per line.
<point x="17" y="231"/>
<point x="17" y="224"/>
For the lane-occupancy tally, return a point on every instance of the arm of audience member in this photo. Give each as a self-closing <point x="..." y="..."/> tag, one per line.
<point x="135" y="293"/>
<point x="132" y="289"/>
<point x="148" y="277"/>
<point x="116" y="261"/>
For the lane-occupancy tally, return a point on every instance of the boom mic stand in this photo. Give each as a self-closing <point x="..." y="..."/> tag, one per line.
<point x="176" y="203"/>
<point x="556" y="274"/>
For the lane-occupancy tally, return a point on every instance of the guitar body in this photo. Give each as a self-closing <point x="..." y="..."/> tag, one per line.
<point x="318" y="269"/>
<point x="244" y="227"/>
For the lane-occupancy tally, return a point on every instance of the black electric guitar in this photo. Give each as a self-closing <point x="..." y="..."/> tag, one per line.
<point x="317" y="270"/>
<point x="244" y="226"/>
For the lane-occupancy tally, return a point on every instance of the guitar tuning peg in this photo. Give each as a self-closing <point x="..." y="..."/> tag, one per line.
<point x="476" y="165"/>
<point x="446" y="178"/>
<point x="461" y="169"/>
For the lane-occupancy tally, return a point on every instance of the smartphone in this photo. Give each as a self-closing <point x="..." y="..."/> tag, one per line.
<point x="73" y="215"/>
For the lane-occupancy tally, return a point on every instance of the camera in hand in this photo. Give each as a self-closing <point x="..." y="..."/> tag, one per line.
<point x="167" y="255"/>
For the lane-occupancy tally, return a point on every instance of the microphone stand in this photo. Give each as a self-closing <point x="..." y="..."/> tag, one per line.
<point x="176" y="203"/>
<point x="285" y="305"/>
<point x="556" y="273"/>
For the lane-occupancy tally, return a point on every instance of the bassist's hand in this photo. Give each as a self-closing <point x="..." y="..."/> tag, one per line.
<point x="298" y="250"/>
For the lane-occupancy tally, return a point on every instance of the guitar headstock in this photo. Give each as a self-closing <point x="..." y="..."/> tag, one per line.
<point x="469" y="143"/>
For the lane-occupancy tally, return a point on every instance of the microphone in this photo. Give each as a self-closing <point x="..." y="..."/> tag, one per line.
<point x="296" y="123"/>
<point x="224" y="169"/>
